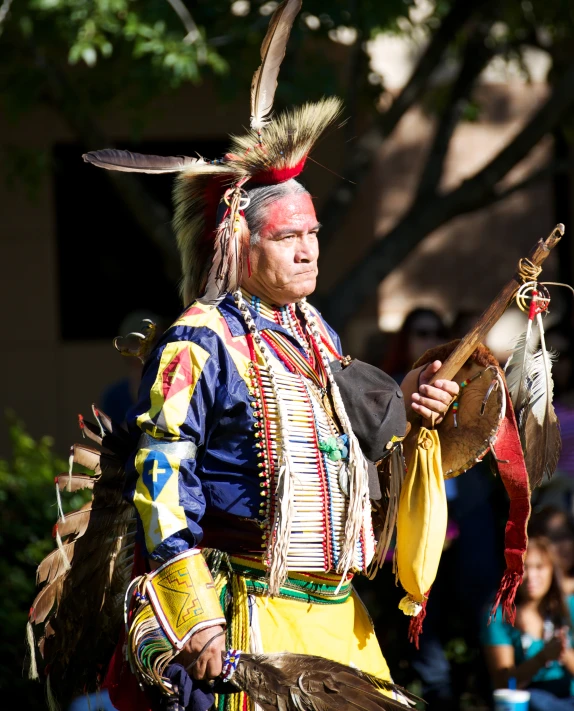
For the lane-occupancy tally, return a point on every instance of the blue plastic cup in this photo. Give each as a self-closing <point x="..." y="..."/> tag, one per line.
<point x="511" y="700"/>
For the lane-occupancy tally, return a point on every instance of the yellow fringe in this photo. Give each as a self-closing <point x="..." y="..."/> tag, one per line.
<point x="238" y="630"/>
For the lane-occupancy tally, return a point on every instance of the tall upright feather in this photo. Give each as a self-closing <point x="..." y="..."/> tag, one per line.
<point x="264" y="83"/>
<point x="539" y="426"/>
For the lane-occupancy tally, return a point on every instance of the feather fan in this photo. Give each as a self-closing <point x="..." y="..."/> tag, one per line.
<point x="264" y="83"/>
<point x="301" y="682"/>
<point x="128" y="162"/>
<point x="531" y="387"/>
<point x="538" y="423"/>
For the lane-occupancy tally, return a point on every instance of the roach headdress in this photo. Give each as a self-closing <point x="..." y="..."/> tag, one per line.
<point x="208" y="196"/>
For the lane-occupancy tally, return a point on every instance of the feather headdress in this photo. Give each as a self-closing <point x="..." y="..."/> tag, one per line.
<point x="208" y="219"/>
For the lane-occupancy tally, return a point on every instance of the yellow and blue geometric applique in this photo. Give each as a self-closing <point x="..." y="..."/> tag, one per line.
<point x="179" y="370"/>
<point x="156" y="496"/>
<point x="183" y="597"/>
<point x="156" y="471"/>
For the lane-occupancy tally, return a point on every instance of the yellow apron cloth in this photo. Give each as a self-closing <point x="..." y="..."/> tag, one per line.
<point x="342" y="632"/>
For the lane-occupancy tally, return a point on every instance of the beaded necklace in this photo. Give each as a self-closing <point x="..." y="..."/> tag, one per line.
<point x="310" y="524"/>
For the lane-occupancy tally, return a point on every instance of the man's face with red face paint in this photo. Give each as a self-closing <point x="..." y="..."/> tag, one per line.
<point x="284" y="261"/>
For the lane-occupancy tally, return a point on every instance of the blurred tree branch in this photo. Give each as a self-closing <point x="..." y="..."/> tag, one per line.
<point x="424" y="216"/>
<point x="362" y="153"/>
<point x="475" y="57"/>
<point x="187" y="20"/>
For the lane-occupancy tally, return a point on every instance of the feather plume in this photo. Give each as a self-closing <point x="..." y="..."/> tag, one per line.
<point x="264" y="83"/>
<point x="517" y="368"/>
<point x="301" y="682"/>
<point x="538" y="423"/>
<point x="128" y="162"/>
<point x="289" y="138"/>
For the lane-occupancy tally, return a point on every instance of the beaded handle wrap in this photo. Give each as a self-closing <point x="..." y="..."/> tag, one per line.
<point x="230" y="662"/>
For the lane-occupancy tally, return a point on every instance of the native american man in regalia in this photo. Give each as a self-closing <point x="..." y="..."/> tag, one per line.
<point x="231" y="518"/>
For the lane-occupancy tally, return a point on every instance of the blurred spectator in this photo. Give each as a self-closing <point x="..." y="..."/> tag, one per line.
<point x="422" y="329"/>
<point x="558" y="527"/>
<point x="537" y="651"/>
<point x="118" y="397"/>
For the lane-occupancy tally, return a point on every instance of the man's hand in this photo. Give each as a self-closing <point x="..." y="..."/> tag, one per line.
<point x="432" y="401"/>
<point x="210" y="663"/>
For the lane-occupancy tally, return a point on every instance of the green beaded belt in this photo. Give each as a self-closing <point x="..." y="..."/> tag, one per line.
<point x="319" y="588"/>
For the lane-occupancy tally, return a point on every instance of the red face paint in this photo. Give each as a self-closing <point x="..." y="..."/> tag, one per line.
<point x="284" y="260"/>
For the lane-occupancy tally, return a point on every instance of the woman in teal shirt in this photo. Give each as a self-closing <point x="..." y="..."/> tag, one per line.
<point x="537" y="652"/>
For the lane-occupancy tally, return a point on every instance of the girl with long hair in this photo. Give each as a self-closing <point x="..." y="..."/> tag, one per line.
<point x="537" y="652"/>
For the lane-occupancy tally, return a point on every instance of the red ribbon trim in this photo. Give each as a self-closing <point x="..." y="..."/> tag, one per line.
<point x="515" y="479"/>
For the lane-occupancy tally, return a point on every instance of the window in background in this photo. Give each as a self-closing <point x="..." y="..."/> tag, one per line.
<point x="108" y="267"/>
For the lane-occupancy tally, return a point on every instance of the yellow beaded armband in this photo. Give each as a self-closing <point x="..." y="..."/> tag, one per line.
<point x="183" y="597"/>
<point x="165" y="608"/>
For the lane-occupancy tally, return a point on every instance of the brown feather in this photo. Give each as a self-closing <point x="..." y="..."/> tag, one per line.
<point x="264" y="83"/>
<point x="76" y="482"/>
<point x="53" y="566"/>
<point x="300" y="682"/>
<point x="45" y="601"/>
<point x="99" y="520"/>
<point x="543" y="444"/>
<point x="538" y="424"/>
<point x="86" y="456"/>
<point x="127" y="162"/>
<point x="90" y="431"/>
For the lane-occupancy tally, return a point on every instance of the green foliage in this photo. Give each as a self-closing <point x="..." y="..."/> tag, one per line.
<point x="28" y="512"/>
<point x="129" y="51"/>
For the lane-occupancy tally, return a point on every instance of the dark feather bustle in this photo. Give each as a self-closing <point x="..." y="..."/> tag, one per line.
<point x="78" y="613"/>
<point x="301" y="682"/>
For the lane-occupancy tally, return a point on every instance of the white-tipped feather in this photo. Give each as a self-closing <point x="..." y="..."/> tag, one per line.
<point x="264" y="82"/>
<point x="128" y="162"/>
<point x="518" y="366"/>
<point x="540" y="383"/>
<point x="530" y="383"/>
